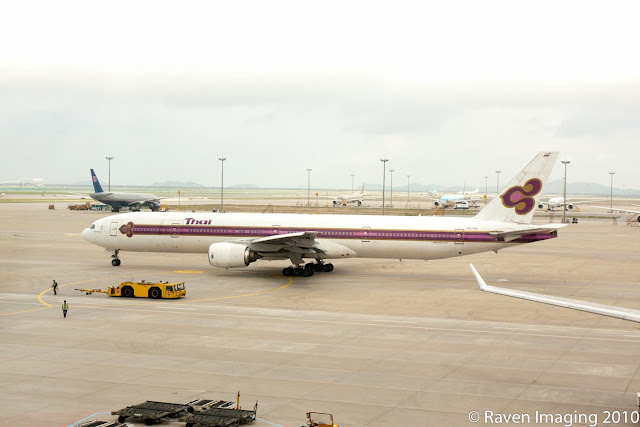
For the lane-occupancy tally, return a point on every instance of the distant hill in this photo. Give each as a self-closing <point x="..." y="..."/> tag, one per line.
<point x="588" y="188"/>
<point x="177" y="184"/>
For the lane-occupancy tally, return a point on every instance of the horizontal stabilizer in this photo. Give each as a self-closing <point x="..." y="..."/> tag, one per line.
<point x="515" y="234"/>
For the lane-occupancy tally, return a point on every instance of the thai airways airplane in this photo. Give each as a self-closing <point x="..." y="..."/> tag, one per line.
<point x="238" y="239"/>
<point x="121" y="200"/>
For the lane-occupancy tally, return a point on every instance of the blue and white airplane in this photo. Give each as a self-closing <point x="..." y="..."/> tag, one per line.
<point x="119" y="200"/>
<point x="238" y="239"/>
<point x="453" y="199"/>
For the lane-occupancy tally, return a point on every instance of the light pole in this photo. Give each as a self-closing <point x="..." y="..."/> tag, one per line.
<point x="352" y="177"/>
<point x="179" y="204"/>
<point x="384" y="175"/>
<point x="611" y="205"/>
<point x="109" y="158"/>
<point x="498" y="183"/>
<point x="486" y="188"/>
<point x="308" y="186"/>
<point x="564" y="192"/>
<point x="408" y="176"/>
<point x="391" y="201"/>
<point x="222" y="159"/>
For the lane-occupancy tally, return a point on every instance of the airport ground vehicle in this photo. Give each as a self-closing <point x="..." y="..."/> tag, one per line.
<point x="319" y="419"/>
<point x="83" y="207"/>
<point x="201" y="412"/>
<point x="143" y="289"/>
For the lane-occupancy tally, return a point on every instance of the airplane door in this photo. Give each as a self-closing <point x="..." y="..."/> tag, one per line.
<point x="113" y="229"/>
<point x="459" y="240"/>
<point x="366" y="231"/>
<point x="174" y="229"/>
<point x="276" y="229"/>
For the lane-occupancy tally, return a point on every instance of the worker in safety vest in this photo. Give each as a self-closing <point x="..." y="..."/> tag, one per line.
<point x="55" y="287"/>
<point x="65" y="307"/>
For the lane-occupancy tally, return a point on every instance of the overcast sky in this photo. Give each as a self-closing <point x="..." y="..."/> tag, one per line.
<point x="448" y="91"/>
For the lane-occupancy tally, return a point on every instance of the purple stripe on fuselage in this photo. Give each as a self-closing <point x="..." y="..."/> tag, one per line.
<point x="359" y="234"/>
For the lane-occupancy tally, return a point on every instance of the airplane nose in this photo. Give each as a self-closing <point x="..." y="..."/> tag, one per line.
<point x="88" y="235"/>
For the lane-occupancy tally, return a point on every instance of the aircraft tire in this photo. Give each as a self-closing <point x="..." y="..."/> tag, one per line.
<point x="327" y="267"/>
<point x="318" y="267"/>
<point x="298" y="271"/>
<point x="307" y="272"/>
<point x="288" y="271"/>
<point x="115" y="262"/>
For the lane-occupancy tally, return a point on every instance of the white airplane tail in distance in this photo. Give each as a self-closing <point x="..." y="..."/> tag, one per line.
<point x="232" y="240"/>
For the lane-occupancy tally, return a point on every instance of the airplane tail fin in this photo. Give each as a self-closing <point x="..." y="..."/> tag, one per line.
<point x="518" y="201"/>
<point x="362" y="189"/>
<point x="96" y="184"/>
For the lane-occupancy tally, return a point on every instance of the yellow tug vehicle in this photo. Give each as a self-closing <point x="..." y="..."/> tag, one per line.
<point x="143" y="289"/>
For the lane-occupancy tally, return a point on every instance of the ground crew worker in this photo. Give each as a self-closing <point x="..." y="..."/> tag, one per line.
<point x="65" y="307"/>
<point x="55" y="287"/>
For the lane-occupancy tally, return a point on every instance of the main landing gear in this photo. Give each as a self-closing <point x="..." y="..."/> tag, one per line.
<point x="307" y="270"/>
<point x="115" y="261"/>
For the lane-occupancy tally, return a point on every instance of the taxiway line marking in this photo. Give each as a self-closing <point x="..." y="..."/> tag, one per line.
<point x="25" y="311"/>
<point x="245" y="295"/>
<point x="505" y="331"/>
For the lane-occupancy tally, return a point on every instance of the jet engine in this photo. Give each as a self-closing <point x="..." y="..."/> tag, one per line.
<point x="540" y="205"/>
<point x="437" y="204"/>
<point x="231" y="255"/>
<point x="569" y="206"/>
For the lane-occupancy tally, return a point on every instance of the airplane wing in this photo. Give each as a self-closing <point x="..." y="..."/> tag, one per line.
<point x="304" y="237"/>
<point x="617" y="209"/>
<point x="290" y="245"/>
<point x="294" y="246"/>
<point x="515" y="234"/>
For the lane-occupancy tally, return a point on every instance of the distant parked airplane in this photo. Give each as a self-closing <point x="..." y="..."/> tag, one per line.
<point x="356" y="199"/>
<point x="558" y="202"/>
<point x="451" y="199"/>
<point x="120" y="200"/>
<point x="26" y="182"/>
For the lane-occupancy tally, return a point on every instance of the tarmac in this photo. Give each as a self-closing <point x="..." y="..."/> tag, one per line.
<point x="375" y="342"/>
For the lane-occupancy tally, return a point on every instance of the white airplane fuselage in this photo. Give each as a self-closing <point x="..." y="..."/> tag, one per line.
<point x="339" y="236"/>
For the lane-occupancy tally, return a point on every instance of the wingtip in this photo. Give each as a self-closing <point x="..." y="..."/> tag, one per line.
<point x="479" y="279"/>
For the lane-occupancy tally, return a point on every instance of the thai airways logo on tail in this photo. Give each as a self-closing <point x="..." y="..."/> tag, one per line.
<point x="516" y="204"/>
<point x="521" y="198"/>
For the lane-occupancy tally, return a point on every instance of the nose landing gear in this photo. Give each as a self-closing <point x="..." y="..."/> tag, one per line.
<point x="115" y="261"/>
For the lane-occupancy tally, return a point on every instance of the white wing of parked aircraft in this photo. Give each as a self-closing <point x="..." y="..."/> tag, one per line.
<point x="238" y="239"/>
<point x="621" y="210"/>
<point x="591" y="307"/>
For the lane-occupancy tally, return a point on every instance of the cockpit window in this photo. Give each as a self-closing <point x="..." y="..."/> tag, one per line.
<point x="92" y="226"/>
